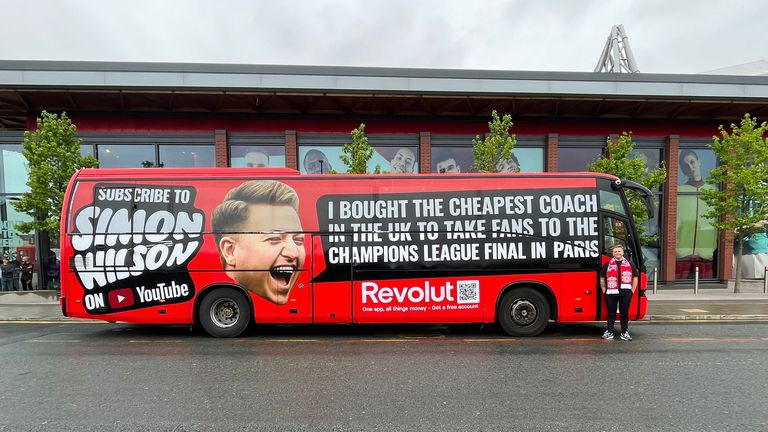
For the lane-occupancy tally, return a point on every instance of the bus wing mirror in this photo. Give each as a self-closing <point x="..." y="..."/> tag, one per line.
<point x="644" y="192"/>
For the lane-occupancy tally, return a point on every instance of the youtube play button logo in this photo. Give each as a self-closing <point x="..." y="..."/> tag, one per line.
<point x="121" y="298"/>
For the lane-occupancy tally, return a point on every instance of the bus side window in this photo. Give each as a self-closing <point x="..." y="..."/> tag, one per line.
<point x="610" y="200"/>
<point x="616" y="231"/>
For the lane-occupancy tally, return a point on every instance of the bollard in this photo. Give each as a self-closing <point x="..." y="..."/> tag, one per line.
<point x="696" y="281"/>
<point x="655" y="278"/>
<point x="765" y="281"/>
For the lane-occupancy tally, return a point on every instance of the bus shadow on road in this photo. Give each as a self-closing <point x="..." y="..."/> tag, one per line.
<point x="367" y="331"/>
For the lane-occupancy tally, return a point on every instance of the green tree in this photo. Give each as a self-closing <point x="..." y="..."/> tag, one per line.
<point x="53" y="155"/>
<point x="355" y="155"/>
<point x="496" y="147"/>
<point x="621" y="162"/>
<point x="741" y="204"/>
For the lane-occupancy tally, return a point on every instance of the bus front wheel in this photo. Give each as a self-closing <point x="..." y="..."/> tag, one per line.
<point x="523" y="312"/>
<point x="225" y="312"/>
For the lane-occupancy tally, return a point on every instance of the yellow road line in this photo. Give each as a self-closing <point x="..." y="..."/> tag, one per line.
<point x="54" y="341"/>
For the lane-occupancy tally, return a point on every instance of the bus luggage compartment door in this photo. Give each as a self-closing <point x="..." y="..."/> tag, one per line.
<point x="331" y="287"/>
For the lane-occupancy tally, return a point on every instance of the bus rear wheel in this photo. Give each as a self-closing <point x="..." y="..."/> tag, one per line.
<point x="224" y="313"/>
<point x="523" y="312"/>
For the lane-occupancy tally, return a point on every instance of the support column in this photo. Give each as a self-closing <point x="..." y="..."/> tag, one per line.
<point x="425" y="152"/>
<point x="222" y="148"/>
<point x="669" y="217"/>
<point x="291" y="150"/>
<point x="551" y="152"/>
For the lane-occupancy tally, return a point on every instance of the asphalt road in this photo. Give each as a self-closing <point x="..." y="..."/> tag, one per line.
<point x="118" y="377"/>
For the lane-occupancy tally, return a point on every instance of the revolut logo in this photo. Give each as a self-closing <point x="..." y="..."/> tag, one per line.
<point x="462" y="292"/>
<point x="133" y="244"/>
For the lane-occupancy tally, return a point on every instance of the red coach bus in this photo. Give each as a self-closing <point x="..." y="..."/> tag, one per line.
<point x="227" y="247"/>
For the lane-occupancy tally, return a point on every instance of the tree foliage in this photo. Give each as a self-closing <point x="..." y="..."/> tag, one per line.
<point x="53" y="155"/>
<point x="355" y="155"/>
<point x="619" y="160"/>
<point x="496" y="147"/>
<point x="742" y="203"/>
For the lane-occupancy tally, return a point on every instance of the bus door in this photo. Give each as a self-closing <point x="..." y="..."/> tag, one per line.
<point x="331" y="290"/>
<point x="615" y="229"/>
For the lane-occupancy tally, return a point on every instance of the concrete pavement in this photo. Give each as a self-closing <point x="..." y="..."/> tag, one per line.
<point x="712" y="302"/>
<point x="673" y="302"/>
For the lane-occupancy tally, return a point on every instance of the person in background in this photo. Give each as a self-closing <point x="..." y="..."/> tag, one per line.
<point x="26" y="270"/>
<point x="618" y="282"/>
<point x="6" y="274"/>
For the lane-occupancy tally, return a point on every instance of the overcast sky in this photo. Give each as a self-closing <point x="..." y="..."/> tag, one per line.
<point x="681" y="36"/>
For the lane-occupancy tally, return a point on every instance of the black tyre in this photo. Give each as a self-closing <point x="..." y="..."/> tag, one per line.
<point x="523" y="312"/>
<point x="225" y="312"/>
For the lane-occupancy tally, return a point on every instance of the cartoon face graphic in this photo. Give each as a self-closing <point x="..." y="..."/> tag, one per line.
<point x="267" y="256"/>
<point x="260" y="239"/>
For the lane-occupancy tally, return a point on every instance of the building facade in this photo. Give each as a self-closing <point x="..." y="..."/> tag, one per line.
<point x="182" y="115"/>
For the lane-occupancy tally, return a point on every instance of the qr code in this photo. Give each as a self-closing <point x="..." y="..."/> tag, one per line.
<point x="469" y="291"/>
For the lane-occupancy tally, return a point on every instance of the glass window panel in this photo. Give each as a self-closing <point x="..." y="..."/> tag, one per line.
<point x="396" y="160"/>
<point x="694" y="167"/>
<point x="570" y="159"/>
<point x="126" y="156"/>
<point x="452" y="159"/>
<point x="187" y="156"/>
<point x="86" y="150"/>
<point x="257" y="156"/>
<point x="460" y="159"/>
<point x="616" y="231"/>
<point x="15" y="169"/>
<point x="13" y="244"/>
<point x="651" y="242"/>
<point x="755" y="257"/>
<point x="611" y="201"/>
<point x="696" y="238"/>
<point x="531" y="159"/>
<point x="651" y="157"/>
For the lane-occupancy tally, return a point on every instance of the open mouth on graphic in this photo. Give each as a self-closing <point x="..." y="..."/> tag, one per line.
<point x="282" y="274"/>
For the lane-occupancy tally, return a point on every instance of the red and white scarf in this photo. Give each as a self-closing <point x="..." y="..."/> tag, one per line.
<point x="612" y="276"/>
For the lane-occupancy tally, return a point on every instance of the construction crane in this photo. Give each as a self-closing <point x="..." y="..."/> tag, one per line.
<point x="617" y="56"/>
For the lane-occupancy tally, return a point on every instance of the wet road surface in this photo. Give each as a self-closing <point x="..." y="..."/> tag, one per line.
<point x="105" y="377"/>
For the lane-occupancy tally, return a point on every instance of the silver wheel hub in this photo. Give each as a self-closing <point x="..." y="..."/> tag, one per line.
<point x="523" y="312"/>
<point x="225" y="313"/>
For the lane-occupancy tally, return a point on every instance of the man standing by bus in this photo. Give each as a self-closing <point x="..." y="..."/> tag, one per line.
<point x="618" y="281"/>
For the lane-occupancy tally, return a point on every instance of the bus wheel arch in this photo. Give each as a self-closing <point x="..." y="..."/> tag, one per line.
<point x="224" y="310"/>
<point x="525" y="308"/>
